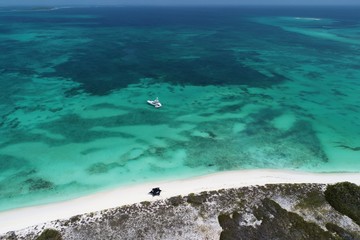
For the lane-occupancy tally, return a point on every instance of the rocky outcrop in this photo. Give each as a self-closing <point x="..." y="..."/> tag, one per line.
<point x="288" y="211"/>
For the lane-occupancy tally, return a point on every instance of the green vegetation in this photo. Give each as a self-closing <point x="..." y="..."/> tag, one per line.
<point x="312" y="199"/>
<point x="229" y="223"/>
<point x="145" y="203"/>
<point x="75" y="218"/>
<point x="176" y="201"/>
<point x="270" y="216"/>
<point x="50" y="234"/>
<point x="341" y="232"/>
<point x="197" y="199"/>
<point x="345" y="198"/>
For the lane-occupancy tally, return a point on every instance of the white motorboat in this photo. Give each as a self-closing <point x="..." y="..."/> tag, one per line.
<point x="156" y="103"/>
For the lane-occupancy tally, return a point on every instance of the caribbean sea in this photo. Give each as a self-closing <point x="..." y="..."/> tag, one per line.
<point x="241" y="88"/>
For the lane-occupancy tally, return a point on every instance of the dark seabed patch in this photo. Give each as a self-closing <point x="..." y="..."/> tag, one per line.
<point x="36" y="184"/>
<point x="11" y="162"/>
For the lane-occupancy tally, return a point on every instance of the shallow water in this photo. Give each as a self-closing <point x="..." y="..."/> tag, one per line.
<point x="241" y="88"/>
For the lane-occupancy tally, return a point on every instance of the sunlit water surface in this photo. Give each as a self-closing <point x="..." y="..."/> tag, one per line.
<point x="241" y="88"/>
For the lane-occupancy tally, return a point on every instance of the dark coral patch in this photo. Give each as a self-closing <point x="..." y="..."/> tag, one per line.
<point x="36" y="184"/>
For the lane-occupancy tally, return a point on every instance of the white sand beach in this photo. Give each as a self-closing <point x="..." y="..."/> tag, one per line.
<point x="21" y="218"/>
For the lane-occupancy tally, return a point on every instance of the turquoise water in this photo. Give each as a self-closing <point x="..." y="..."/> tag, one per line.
<point x="242" y="88"/>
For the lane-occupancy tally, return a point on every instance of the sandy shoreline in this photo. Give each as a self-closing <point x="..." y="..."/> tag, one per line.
<point x="23" y="217"/>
